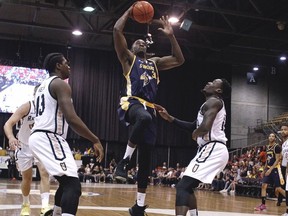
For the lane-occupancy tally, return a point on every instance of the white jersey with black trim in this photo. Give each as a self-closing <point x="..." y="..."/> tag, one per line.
<point x="284" y="154"/>
<point x="217" y="132"/>
<point x="26" y="123"/>
<point x="48" y="117"/>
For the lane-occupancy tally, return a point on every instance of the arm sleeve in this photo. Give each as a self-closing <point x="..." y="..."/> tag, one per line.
<point x="187" y="126"/>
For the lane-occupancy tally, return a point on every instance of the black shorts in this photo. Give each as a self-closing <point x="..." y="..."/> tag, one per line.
<point x="273" y="178"/>
<point x="150" y="132"/>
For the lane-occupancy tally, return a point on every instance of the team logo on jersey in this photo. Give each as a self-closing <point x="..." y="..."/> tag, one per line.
<point x="146" y="78"/>
<point x="63" y="166"/>
<point x="41" y="89"/>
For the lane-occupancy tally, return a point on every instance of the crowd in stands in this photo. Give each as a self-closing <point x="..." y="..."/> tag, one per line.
<point x="241" y="170"/>
<point x="23" y="75"/>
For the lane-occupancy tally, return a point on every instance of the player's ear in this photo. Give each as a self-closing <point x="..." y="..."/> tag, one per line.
<point x="58" y="65"/>
<point x="219" y="91"/>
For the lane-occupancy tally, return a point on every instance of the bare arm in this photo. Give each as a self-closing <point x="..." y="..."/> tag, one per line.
<point x="278" y="159"/>
<point x="62" y="92"/>
<point x="120" y="44"/>
<point x="8" y="126"/>
<point x="185" y="125"/>
<point x="176" y="58"/>
<point x="211" y="108"/>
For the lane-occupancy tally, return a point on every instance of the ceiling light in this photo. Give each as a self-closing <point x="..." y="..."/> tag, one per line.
<point x="282" y="58"/>
<point x="173" y="20"/>
<point x="89" y="7"/>
<point x="77" y="32"/>
<point x="255" y="68"/>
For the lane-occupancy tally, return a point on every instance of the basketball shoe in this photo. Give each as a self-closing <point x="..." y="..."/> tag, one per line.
<point x="138" y="210"/>
<point x="261" y="207"/>
<point x="47" y="211"/>
<point x="25" y="210"/>
<point x="121" y="170"/>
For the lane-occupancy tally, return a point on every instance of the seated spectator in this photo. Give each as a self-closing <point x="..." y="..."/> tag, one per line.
<point x="131" y="177"/>
<point x="81" y="172"/>
<point x="154" y="180"/>
<point x="113" y="163"/>
<point x="218" y="182"/>
<point x="87" y="175"/>
<point x="109" y="173"/>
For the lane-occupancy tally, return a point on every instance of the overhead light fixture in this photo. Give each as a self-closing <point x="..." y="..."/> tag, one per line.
<point x="255" y="68"/>
<point x="173" y="19"/>
<point x="77" y="32"/>
<point x="89" y="7"/>
<point x="283" y="58"/>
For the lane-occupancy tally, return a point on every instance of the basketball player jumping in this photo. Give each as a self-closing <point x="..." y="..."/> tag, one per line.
<point x="24" y="157"/>
<point x="136" y="104"/>
<point x="212" y="155"/>
<point x="53" y="104"/>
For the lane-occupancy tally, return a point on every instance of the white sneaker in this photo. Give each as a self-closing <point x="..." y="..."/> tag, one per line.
<point x="47" y="211"/>
<point x="223" y="191"/>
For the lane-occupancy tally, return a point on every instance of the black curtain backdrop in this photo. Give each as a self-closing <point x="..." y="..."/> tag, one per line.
<point x="96" y="78"/>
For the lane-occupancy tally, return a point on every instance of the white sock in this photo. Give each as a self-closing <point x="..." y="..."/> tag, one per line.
<point x="57" y="211"/>
<point x="129" y="151"/>
<point x="193" y="212"/>
<point x="45" y="199"/>
<point x="141" y="199"/>
<point x="26" y="199"/>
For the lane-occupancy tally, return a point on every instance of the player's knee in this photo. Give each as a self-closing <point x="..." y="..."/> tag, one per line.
<point x="182" y="196"/>
<point x="188" y="184"/>
<point x="145" y="119"/>
<point x="74" y="186"/>
<point x="70" y="184"/>
<point x="264" y="186"/>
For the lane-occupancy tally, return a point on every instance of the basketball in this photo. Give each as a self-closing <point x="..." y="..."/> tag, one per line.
<point x="142" y="12"/>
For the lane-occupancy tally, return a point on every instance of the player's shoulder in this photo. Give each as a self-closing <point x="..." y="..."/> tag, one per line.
<point x="214" y="101"/>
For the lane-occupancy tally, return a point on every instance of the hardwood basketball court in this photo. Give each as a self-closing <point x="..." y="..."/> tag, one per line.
<point x="114" y="200"/>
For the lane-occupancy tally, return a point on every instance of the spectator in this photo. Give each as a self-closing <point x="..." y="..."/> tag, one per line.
<point x="81" y="172"/>
<point x="11" y="164"/>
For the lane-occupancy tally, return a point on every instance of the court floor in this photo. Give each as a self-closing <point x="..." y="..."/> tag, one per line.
<point x="114" y="200"/>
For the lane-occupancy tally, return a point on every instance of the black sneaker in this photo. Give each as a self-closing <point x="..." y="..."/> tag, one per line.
<point x="138" y="210"/>
<point x="121" y="170"/>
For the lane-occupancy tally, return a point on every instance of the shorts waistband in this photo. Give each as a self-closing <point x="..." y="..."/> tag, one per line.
<point x="213" y="141"/>
<point x="144" y="102"/>
<point x="44" y="131"/>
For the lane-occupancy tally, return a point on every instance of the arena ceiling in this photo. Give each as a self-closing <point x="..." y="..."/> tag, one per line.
<point x="236" y="31"/>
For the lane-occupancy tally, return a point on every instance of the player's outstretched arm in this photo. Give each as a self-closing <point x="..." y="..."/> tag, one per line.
<point x="63" y="95"/>
<point x="120" y="43"/>
<point x="185" y="125"/>
<point x="176" y="58"/>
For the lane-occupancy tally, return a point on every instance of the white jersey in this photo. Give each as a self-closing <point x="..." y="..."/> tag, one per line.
<point x="217" y="131"/>
<point x="48" y="117"/>
<point x="26" y="123"/>
<point x="284" y="153"/>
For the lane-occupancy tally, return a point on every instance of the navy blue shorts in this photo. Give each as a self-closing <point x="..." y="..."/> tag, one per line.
<point x="273" y="178"/>
<point x="149" y="134"/>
